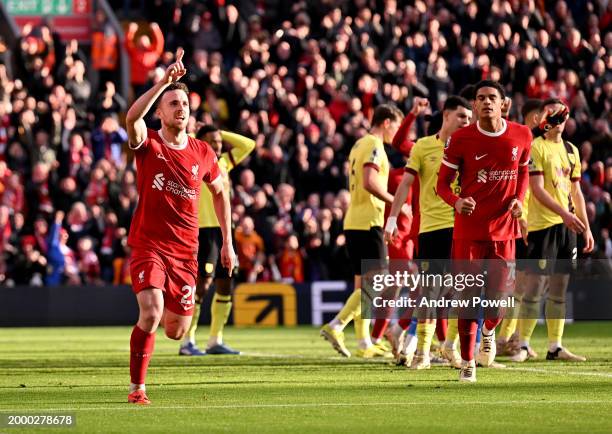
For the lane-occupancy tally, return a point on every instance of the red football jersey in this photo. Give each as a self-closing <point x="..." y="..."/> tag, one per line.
<point x="169" y="179"/>
<point x="489" y="166"/>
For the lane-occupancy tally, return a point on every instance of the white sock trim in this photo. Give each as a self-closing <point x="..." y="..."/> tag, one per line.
<point x="336" y="325"/>
<point x="214" y="340"/>
<point x="364" y="344"/>
<point x="135" y="387"/>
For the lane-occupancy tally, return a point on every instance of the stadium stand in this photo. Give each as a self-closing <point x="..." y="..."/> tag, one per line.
<point x="302" y="79"/>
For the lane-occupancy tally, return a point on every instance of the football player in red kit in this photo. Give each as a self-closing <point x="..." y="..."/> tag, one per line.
<point x="170" y="168"/>
<point x="491" y="157"/>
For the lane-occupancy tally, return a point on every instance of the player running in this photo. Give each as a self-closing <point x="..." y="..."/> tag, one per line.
<point x="557" y="212"/>
<point x="164" y="231"/>
<point x="437" y="217"/>
<point x="369" y="173"/>
<point x="491" y="157"/>
<point x="209" y="264"/>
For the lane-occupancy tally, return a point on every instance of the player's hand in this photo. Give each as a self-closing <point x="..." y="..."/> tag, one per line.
<point x="390" y="229"/>
<point x="419" y="105"/>
<point x="465" y="205"/>
<point x="506" y="106"/>
<point x="573" y="222"/>
<point x="524" y="230"/>
<point x="515" y="208"/>
<point x="228" y="257"/>
<point x="545" y="124"/>
<point x="177" y="70"/>
<point x="59" y="217"/>
<point x="589" y="242"/>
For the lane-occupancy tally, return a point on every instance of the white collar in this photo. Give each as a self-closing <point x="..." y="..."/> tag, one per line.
<point x="495" y="134"/>
<point x="172" y="146"/>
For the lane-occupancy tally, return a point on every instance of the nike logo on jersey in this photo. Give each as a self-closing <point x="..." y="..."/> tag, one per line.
<point x="479" y="157"/>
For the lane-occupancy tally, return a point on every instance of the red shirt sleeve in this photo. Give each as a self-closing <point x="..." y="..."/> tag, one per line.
<point x="400" y="140"/>
<point x="213" y="171"/>
<point x="145" y="143"/>
<point x="523" y="170"/>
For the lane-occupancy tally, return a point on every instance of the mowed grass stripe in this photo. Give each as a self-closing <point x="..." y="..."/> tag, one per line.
<point x="329" y="404"/>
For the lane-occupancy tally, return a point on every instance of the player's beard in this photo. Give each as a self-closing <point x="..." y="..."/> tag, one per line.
<point x="177" y="125"/>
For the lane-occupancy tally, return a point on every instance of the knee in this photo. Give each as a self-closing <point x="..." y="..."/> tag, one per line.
<point x="176" y="333"/>
<point x="149" y="318"/>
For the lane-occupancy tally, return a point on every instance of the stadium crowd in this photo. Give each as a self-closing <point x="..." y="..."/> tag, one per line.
<point x="302" y="79"/>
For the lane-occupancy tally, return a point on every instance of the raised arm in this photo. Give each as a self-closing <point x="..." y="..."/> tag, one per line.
<point x="158" y="39"/>
<point x="400" y="140"/>
<point x="136" y="127"/>
<point x="241" y="146"/>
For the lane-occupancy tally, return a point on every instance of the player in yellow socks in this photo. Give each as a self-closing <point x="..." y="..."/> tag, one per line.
<point x="437" y="218"/>
<point x="210" y="242"/>
<point x="557" y="212"/>
<point x="369" y="173"/>
<point x="507" y="339"/>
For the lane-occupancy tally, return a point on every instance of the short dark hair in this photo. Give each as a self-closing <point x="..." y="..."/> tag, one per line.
<point x="175" y="86"/>
<point x="468" y="92"/>
<point x="489" y="83"/>
<point x="550" y="101"/>
<point x="205" y="129"/>
<point x="384" y="112"/>
<point x="435" y="123"/>
<point x="453" y="102"/>
<point x="531" y="105"/>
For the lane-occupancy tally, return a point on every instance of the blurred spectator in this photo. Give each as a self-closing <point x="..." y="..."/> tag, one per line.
<point x="88" y="263"/>
<point x="104" y="48"/>
<point x="301" y="81"/>
<point x="108" y="139"/>
<point x="144" y="52"/>
<point x="249" y="245"/>
<point x="62" y="260"/>
<point x="290" y="262"/>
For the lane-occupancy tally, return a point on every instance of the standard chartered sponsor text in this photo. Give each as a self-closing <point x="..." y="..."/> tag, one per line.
<point x="179" y="190"/>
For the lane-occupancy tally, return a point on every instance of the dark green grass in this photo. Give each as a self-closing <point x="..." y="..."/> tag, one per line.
<point x="291" y="381"/>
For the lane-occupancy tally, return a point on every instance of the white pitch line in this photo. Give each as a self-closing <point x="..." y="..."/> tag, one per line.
<point x="575" y="373"/>
<point x="128" y="407"/>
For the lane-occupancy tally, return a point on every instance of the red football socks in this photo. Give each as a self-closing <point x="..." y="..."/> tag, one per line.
<point x="467" y="337"/>
<point x="378" y="330"/>
<point x="491" y="323"/>
<point x="141" y="350"/>
<point x="441" y="325"/>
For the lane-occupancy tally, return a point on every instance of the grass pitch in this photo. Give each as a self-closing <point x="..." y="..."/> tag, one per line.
<point x="291" y="381"/>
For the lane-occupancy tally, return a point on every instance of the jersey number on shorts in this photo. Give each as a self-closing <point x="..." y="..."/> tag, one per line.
<point x="187" y="300"/>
